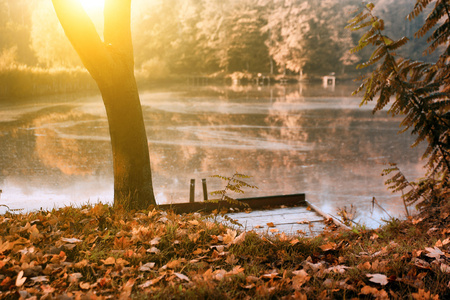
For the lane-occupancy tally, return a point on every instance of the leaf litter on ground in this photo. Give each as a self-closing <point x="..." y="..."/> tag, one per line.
<point x="97" y="252"/>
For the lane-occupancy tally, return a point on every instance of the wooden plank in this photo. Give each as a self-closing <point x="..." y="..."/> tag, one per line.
<point x="327" y="216"/>
<point x="301" y="212"/>
<point x="263" y="220"/>
<point x="254" y="203"/>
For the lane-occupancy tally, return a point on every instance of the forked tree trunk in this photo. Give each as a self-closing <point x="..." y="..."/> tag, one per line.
<point x="111" y="64"/>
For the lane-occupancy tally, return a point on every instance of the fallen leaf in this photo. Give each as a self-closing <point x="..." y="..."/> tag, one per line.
<point x="109" y="261"/>
<point x="364" y="266"/>
<point x="434" y="252"/>
<point x="299" y="279"/>
<point x="239" y="239"/>
<point x="270" y="275"/>
<point x="337" y="269"/>
<point x="236" y="270"/>
<point x="194" y="222"/>
<point x="121" y="261"/>
<point x="229" y="237"/>
<point x="417" y="221"/>
<point x="128" y="286"/>
<point x="270" y="224"/>
<point x="378" y="278"/>
<point x="445" y="268"/>
<point x="81" y="264"/>
<point x="39" y="278"/>
<point x="328" y="247"/>
<point x="85" y="285"/>
<point x="71" y="240"/>
<point x="294" y="242"/>
<point x="378" y="294"/>
<point x="422" y="295"/>
<point x="231" y="259"/>
<point x="274" y="230"/>
<point x="74" y="277"/>
<point x="46" y="289"/>
<point x="147" y="267"/>
<point x="153" y="250"/>
<point x="173" y="264"/>
<point x="374" y="236"/>
<point x="20" y="280"/>
<point x="182" y="276"/>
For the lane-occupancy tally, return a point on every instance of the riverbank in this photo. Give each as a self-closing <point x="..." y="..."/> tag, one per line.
<point x="99" y="253"/>
<point x="20" y="81"/>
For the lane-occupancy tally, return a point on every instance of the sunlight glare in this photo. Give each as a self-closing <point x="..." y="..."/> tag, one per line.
<point x="92" y="5"/>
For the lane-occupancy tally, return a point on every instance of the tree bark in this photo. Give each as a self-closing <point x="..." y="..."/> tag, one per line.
<point x="111" y="64"/>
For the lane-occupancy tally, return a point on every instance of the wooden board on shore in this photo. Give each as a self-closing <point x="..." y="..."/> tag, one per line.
<point x="255" y="203"/>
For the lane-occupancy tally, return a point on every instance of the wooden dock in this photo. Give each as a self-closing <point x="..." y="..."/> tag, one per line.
<point x="290" y="214"/>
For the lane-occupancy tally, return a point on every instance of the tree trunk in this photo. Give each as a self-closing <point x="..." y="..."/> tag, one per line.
<point x="132" y="174"/>
<point x="111" y="64"/>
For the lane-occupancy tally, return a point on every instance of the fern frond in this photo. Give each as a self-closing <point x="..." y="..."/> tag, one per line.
<point x="397" y="44"/>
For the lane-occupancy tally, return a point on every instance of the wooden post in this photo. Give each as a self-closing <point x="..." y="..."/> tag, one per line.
<point x="205" y="190"/>
<point x="192" y="191"/>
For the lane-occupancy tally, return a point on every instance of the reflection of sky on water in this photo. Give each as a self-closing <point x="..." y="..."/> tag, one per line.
<point x="291" y="140"/>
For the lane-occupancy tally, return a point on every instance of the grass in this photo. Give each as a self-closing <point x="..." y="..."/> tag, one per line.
<point x="98" y="252"/>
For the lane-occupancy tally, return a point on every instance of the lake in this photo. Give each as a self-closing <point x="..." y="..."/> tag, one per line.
<point x="55" y="150"/>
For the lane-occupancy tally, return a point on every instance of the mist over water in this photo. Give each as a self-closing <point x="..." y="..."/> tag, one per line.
<point x="55" y="151"/>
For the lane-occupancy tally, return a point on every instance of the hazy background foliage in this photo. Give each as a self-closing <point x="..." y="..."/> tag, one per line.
<point x="175" y="39"/>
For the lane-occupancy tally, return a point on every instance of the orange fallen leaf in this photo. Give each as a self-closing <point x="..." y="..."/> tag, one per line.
<point x="229" y="237"/>
<point x="328" y="247"/>
<point x="422" y="295"/>
<point x="85" y="285"/>
<point x="300" y="278"/>
<point x="270" y="224"/>
<point x="109" y="261"/>
<point x="294" y="242"/>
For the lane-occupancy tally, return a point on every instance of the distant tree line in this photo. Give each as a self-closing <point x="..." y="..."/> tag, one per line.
<point x="175" y="38"/>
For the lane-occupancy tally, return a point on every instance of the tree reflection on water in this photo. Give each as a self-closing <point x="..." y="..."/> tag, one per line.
<point x="291" y="139"/>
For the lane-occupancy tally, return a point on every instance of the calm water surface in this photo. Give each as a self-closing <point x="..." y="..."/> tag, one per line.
<point x="55" y="151"/>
